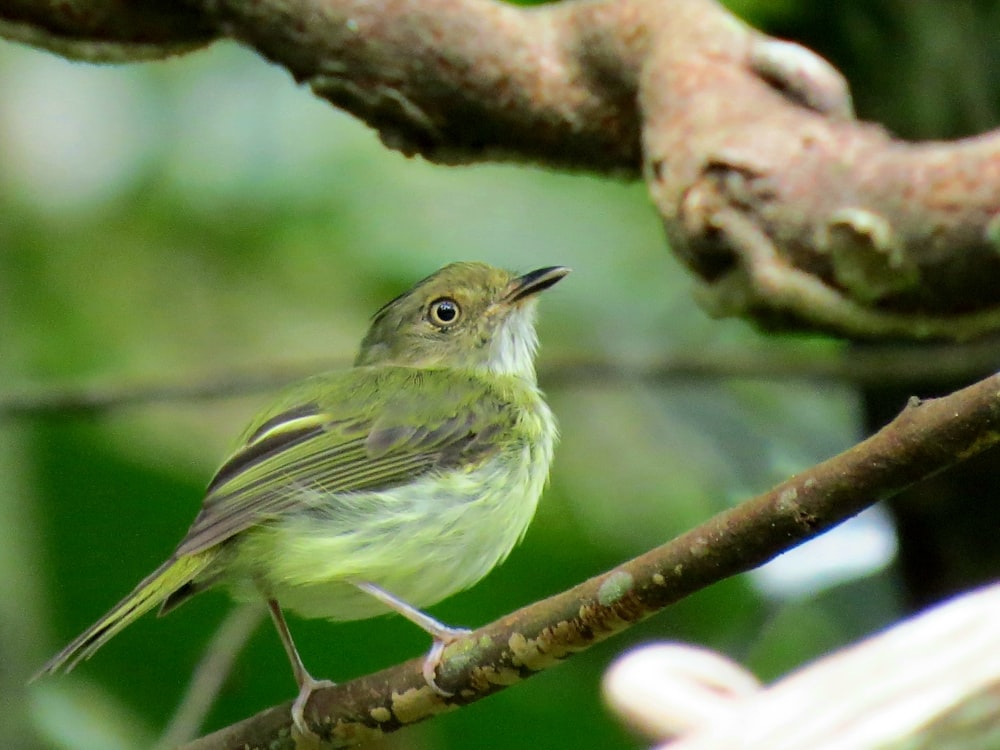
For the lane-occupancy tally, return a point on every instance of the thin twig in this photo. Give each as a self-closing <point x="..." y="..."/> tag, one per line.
<point x="89" y="400"/>
<point x="926" y="438"/>
<point x="872" y="365"/>
<point x="209" y="676"/>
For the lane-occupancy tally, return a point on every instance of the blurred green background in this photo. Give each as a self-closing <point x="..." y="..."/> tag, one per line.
<point x="192" y="219"/>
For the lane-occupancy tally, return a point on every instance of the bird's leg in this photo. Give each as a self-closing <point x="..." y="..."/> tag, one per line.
<point x="307" y="684"/>
<point x="441" y="633"/>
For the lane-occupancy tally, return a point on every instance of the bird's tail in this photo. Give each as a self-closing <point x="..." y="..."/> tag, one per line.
<point x="151" y="591"/>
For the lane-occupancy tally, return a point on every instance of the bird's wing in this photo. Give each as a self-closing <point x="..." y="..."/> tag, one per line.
<point x="362" y="429"/>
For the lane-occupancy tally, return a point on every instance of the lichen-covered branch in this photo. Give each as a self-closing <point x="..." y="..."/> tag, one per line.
<point x="788" y="210"/>
<point x="927" y="437"/>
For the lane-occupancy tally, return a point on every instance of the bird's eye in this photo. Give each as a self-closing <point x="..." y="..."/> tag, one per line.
<point x="444" y="312"/>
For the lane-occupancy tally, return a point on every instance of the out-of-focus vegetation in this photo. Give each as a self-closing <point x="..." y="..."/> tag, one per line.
<point x="174" y="221"/>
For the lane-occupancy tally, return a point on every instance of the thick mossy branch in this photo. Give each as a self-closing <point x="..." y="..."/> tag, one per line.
<point x="926" y="438"/>
<point x="788" y="210"/>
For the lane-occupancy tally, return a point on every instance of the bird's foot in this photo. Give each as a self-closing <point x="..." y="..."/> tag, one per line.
<point x="443" y="637"/>
<point x="306" y="688"/>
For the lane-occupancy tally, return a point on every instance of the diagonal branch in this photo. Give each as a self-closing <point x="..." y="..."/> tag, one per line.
<point x="926" y="438"/>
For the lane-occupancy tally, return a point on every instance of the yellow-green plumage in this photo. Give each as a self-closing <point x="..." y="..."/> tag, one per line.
<point x="150" y="593"/>
<point x="426" y="501"/>
<point x="417" y="471"/>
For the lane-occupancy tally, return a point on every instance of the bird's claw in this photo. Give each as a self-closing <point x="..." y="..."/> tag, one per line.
<point x="306" y="689"/>
<point x="433" y="659"/>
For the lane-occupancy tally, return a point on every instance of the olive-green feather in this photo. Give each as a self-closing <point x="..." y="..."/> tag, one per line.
<point x="390" y="426"/>
<point x="170" y="577"/>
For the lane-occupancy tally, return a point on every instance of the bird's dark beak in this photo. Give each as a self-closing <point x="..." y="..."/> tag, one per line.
<point x="533" y="282"/>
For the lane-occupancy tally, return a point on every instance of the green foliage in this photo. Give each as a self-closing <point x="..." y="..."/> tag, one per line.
<point x="168" y="222"/>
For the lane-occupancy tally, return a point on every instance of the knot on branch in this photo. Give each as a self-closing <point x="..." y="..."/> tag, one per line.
<point x="802" y="75"/>
<point x="815" y="243"/>
<point x="866" y="255"/>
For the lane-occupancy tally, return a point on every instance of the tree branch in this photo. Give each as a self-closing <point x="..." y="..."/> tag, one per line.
<point x="105" y="30"/>
<point x="789" y="211"/>
<point x="881" y="365"/>
<point x="926" y="438"/>
<point x="210" y="675"/>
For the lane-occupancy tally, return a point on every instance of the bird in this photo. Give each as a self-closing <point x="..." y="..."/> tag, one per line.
<point x="383" y="487"/>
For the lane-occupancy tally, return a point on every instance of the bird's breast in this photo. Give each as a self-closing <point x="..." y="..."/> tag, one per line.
<point x="422" y="541"/>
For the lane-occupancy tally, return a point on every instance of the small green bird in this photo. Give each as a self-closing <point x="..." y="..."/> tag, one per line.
<point x="388" y="486"/>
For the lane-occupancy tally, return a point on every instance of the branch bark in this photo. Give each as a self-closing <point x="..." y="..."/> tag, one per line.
<point x="106" y="30"/>
<point x="788" y="211"/>
<point x="926" y="438"/>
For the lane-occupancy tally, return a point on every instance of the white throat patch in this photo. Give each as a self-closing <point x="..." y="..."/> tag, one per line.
<point x="515" y="344"/>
